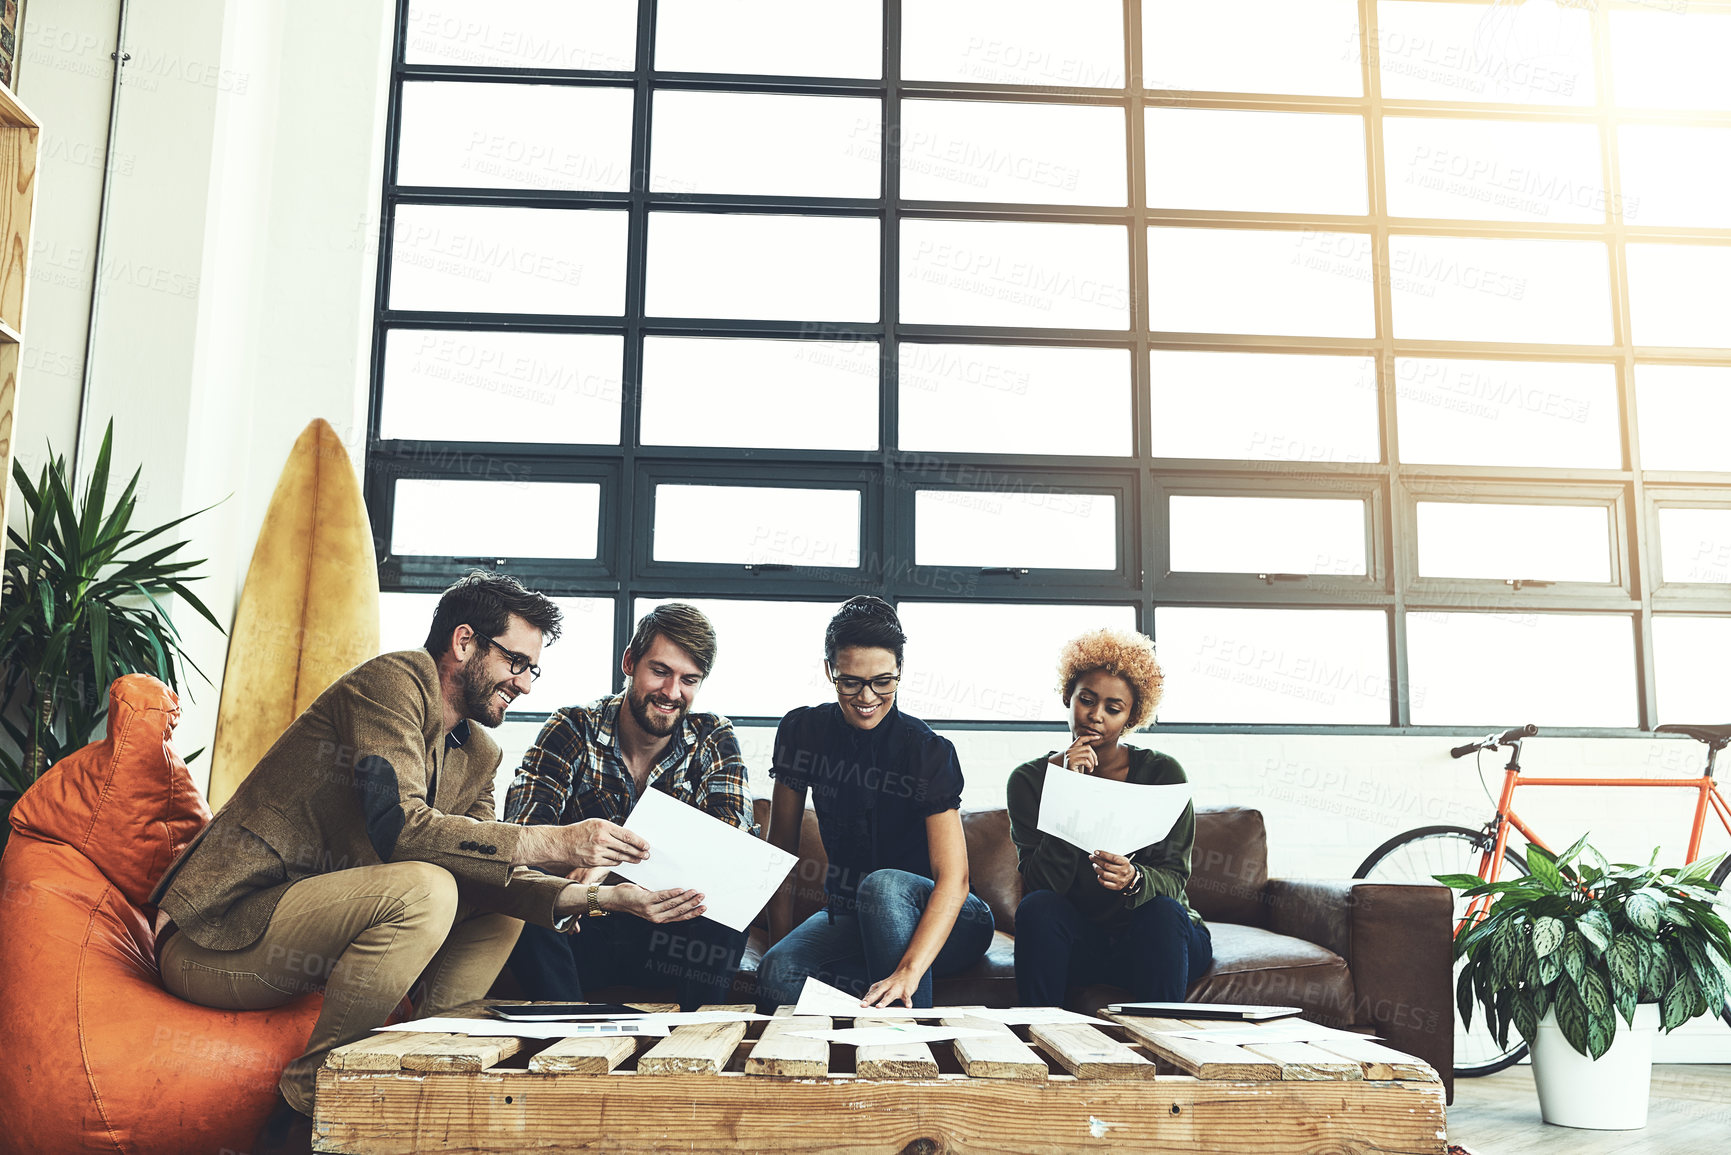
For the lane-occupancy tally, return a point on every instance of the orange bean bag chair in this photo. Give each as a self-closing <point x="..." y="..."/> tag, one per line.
<point x="99" y="1057"/>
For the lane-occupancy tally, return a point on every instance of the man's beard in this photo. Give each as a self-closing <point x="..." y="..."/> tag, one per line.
<point x="480" y="694"/>
<point x="650" y="721"/>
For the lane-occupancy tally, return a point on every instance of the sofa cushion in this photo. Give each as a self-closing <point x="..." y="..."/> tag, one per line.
<point x="992" y="872"/>
<point x="1229" y="866"/>
<point x="126" y="803"/>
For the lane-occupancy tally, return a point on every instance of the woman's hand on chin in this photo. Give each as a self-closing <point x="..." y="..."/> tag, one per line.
<point x="1113" y="871"/>
<point x="1080" y="757"/>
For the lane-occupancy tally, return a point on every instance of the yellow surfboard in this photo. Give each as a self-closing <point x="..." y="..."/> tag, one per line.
<point x="309" y="611"/>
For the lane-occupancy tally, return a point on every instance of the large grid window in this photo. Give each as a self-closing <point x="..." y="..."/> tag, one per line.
<point x="1372" y="355"/>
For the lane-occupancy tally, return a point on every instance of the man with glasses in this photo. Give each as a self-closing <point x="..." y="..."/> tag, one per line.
<point x="594" y="762"/>
<point x="362" y="855"/>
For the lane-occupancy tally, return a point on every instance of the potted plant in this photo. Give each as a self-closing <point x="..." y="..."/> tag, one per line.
<point x="79" y="606"/>
<point x="1564" y="952"/>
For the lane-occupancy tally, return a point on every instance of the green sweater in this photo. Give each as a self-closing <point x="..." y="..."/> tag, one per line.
<point x="1047" y="862"/>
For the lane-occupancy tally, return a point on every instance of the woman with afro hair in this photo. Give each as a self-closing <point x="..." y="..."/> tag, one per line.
<point x="1102" y="917"/>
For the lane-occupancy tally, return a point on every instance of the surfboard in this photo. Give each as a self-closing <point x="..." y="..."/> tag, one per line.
<point x="309" y="611"/>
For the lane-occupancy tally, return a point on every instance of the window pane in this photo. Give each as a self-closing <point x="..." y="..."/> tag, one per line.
<point x="465" y="259"/>
<point x="1014" y="399"/>
<point x="1506" y="53"/>
<point x="757" y="680"/>
<point x="992" y="663"/>
<point x="1274" y="666"/>
<point x="1516" y="413"/>
<point x="762" y="268"/>
<point x="576" y="668"/>
<point x="1670" y="58"/>
<point x="496" y="518"/>
<point x="1570" y="543"/>
<point x="1493" y="170"/>
<point x="578" y="34"/>
<point x="1264" y="406"/>
<point x="737" y="142"/>
<point x="1485" y="670"/>
<point x="1028" y="525"/>
<point x="539" y="387"/>
<point x="976" y="150"/>
<point x="1680" y="295"/>
<point x="770" y="37"/>
<point x="1685" y="410"/>
<point x="1079" y="44"/>
<point x="535" y="136"/>
<point x="751" y="394"/>
<point x="1674" y="175"/>
<point x="1692" y="660"/>
<point x="1299" y="282"/>
<point x="1479" y="289"/>
<point x="1695" y="545"/>
<point x="1297" y="47"/>
<point x="750" y="525"/>
<point x="1061" y="276"/>
<point x="1266" y="535"/>
<point x="1294" y="162"/>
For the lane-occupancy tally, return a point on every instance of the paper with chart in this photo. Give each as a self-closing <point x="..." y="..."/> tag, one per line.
<point x="1099" y="814"/>
<point x="501" y="1029"/>
<point x="735" y="872"/>
<point x="820" y="999"/>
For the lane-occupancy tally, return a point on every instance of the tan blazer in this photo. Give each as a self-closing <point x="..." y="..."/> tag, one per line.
<point x="345" y="786"/>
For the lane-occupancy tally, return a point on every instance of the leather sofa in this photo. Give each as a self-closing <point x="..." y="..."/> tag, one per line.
<point x="1353" y="954"/>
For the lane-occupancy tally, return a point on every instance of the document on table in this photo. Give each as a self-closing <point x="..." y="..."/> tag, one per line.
<point x="1030" y="1016"/>
<point x="891" y="1034"/>
<point x="819" y="998"/>
<point x="735" y="872"/>
<point x="1286" y="1031"/>
<point x="1099" y="814"/>
<point x="500" y="1029"/>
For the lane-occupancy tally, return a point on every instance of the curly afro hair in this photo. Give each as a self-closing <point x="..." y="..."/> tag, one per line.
<point x="1123" y="653"/>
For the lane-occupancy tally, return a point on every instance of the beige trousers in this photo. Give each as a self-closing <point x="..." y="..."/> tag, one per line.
<point x="364" y="936"/>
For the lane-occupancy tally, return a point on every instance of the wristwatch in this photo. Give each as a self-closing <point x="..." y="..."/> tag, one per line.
<point x="1135" y="886"/>
<point x="595" y="910"/>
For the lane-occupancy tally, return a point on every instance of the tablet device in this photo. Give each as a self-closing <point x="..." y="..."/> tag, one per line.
<point x="1232" y="1011"/>
<point x="557" y="1012"/>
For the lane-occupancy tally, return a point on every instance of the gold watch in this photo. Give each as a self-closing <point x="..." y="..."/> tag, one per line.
<point x="595" y="910"/>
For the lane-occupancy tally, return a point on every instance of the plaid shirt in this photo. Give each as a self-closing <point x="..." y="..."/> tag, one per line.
<point x="575" y="770"/>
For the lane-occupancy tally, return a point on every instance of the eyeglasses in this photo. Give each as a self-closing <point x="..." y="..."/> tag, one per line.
<point x="883" y="685"/>
<point x="515" y="661"/>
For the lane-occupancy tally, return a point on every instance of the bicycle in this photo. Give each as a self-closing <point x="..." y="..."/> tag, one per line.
<point x="1419" y="855"/>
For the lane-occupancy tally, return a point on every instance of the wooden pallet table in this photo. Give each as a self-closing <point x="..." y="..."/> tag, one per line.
<point x="758" y="1086"/>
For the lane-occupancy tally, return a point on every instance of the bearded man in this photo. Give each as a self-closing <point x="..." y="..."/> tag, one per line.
<point x="594" y="762"/>
<point x="362" y="855"/>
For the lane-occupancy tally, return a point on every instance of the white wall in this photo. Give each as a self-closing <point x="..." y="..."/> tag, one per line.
<point x="237" y="307"/>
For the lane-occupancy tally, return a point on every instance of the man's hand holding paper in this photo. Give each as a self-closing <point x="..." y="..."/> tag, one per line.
<point x="733" y="873"/>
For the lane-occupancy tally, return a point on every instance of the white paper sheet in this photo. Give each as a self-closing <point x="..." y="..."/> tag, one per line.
<point x="819" y="998"/>
<point x="500" y="1029"/>
<point x="1099" y="814"/>
<point x="891" y="1034"/>
<point x="1286" y="1031"/>
<point x="1028" y="1016"/>
<point x="735" y="872"/>
<point x="687" y="1018"/>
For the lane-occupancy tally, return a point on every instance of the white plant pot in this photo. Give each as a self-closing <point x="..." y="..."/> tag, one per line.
<point x="1606" y="1094"/>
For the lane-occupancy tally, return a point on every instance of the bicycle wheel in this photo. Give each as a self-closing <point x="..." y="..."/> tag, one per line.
<point x="1719" y="877"/>
<point x="1417" y="857"/>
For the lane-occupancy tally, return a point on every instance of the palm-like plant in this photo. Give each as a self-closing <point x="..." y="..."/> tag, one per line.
<point x="78" y="608"/>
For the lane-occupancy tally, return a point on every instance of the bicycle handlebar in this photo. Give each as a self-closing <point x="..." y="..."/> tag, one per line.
<point x="1492" y="741"/>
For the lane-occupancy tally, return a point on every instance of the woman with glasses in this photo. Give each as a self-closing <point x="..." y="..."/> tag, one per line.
<point x="888" y="795"/>
<point x="1102" y="917"/>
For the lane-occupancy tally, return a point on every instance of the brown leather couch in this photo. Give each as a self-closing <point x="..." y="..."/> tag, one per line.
<point x="1353" y="954"/>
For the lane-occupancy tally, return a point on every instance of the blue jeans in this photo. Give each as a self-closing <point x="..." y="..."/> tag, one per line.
<point x="697" y="958"/>
<point x="853" y="951"/>
<point x="1156" y="954"/>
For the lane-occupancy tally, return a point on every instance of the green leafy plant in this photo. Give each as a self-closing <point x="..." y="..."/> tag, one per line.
<point x="1590" y="940"/>
<point x="79" y="606"/>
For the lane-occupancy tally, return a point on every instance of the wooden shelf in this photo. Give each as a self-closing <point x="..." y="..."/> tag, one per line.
<point x="13" y="114"/>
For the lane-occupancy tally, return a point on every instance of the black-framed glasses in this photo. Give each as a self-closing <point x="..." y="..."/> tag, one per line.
<point x="515" y="661"/>
<point x="851" y="687"/>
